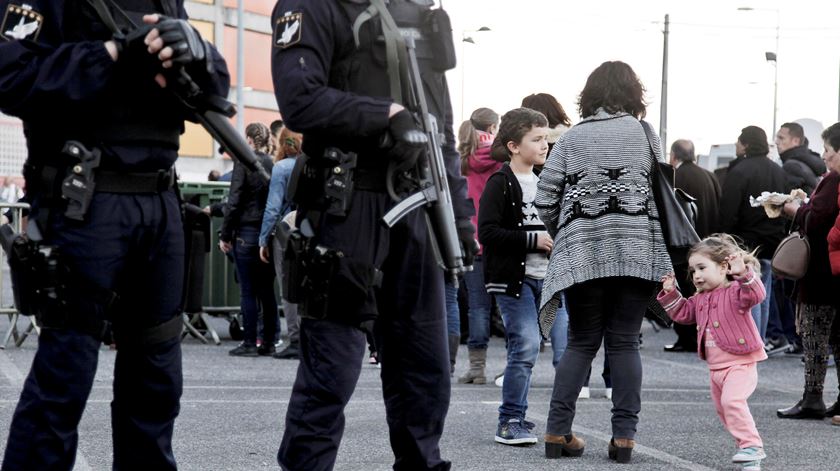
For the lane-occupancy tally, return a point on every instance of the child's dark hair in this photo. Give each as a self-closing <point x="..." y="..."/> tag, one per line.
<point x="515" y="124"/>
<point x="717" y="247"/>
<point x="480" y="120"/>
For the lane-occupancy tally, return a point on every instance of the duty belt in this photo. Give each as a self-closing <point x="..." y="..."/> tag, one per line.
<point x="370" y="180"/>
<point x="149" y="182"/>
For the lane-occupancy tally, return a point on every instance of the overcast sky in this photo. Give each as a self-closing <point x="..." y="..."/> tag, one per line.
<point x="719" y="80"/>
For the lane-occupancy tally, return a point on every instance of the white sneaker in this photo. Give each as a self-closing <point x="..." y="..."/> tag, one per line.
<point x="751" y="466"/>
<point x="608" y="393"/>
<point x="500" y="380"/>
<point x="584" y="393"/>
<point x="749" y="454"/>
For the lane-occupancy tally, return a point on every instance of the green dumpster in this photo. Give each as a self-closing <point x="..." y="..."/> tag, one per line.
<point x="221" y="292"/>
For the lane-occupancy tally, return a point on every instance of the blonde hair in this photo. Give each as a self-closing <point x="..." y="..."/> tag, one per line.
<point x="260" y="136"/>
<point x="480" y="120"/>
<point x="718" y="247"/>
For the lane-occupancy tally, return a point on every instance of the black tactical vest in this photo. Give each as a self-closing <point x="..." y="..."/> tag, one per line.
<point x="365" y="70"/>
<point x="132" y="108"/>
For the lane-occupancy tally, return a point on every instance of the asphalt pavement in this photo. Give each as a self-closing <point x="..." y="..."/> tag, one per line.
<point x="232" y="414"/>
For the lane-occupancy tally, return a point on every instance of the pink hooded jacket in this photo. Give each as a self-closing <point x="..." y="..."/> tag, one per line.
<point x="725" y="311"/>
<point x="481" y="166"/>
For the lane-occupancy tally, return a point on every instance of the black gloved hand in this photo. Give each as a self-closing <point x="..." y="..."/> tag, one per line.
<point x="132" y="49"/>
<point x="185" y="42"/>
<point x="405" y="142"/>
<point x="466" y="234"/>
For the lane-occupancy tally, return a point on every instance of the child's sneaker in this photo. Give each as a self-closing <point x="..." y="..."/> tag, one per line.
<point x="748" y="454"/>
<point x="751" y="466"/>
<point x="499" y="380"/>
<point x="584" y="393"/>
<point x="514" y="432"/>
<point x="608" y="393"/>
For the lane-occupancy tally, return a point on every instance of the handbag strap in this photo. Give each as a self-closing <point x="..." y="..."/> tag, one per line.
<point x="649" y="134"/>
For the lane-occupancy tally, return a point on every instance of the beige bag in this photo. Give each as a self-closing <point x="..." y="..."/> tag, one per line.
<point x="792" y="256"/>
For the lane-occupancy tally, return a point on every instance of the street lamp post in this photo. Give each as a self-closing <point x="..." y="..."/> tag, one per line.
<point x="467" y="39"/>
<point x="772" y="57"/>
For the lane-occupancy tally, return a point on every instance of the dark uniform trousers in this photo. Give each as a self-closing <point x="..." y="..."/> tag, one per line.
<point x="132" y="244"/>
<point x="411" y="339"/>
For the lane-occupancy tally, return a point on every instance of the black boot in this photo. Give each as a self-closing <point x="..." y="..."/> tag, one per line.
<point x="810" y="407"/>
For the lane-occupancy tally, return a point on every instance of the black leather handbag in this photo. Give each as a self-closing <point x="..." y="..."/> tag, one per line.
<point x="677" y="210"/>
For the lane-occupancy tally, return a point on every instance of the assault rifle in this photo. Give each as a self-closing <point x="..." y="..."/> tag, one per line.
<point x="429" y="176"/>
<point x="212" y="113"/>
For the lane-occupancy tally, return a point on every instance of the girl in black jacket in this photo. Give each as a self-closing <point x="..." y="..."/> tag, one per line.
<point x="240" y="234"/>
<point x="516" y="246"/>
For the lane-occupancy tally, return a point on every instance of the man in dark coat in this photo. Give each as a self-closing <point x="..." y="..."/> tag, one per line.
<point x="802" y="166"/>
<point x="749" y="175"/>
<point x="702" y="185"/>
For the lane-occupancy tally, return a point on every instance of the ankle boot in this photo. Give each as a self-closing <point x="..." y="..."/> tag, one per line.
<point x="475" y="375"/>
<point x="454" y="341"/>
<point x="621" y="449"/>
<point x="834" y="409"/>
<point x="810" y="407"/>
<point x="563" y="445"/>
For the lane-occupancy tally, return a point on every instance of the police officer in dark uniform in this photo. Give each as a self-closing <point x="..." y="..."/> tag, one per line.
<point x="337" y="94"/>
<point x="91" y="81"/>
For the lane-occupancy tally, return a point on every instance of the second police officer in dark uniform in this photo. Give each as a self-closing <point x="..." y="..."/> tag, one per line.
<point x="338" y="96"/>
<point x="118" y="235"/>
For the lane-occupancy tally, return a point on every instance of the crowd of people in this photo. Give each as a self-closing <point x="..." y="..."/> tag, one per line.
<point x="572" y="242"/>
<point x="571" y="253"/>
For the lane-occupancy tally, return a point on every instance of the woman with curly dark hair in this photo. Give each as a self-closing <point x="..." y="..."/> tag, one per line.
<point x="595" y="198"/>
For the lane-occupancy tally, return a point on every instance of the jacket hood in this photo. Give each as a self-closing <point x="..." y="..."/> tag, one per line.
<point x="806" y="156"/>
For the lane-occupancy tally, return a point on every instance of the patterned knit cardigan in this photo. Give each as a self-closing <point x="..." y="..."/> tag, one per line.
<point x="594" y="196"/>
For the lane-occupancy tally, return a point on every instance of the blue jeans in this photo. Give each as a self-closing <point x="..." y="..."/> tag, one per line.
<point x="522" y="333"/>
<point x="761" y="312"/>
<point x="559" y="334"/>
<point x="256" y="283"/>
<point x="453" y="313"/>
<point x="480" y="305"/>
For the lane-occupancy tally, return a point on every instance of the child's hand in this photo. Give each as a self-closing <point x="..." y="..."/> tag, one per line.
<point x="668" y="282"/>
<point x="544" y="242"/>
<point x="737" y="267"/>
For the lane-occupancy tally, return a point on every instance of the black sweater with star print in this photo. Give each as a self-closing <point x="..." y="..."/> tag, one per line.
<point x="506" y="240"/>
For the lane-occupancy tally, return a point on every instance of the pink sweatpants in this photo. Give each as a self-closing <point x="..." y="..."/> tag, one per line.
<point x="731" y="387"/>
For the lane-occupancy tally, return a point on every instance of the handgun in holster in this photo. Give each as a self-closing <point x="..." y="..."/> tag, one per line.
<point x="35" y="272"/>
<point x="78" y="187"/>
<point x="325" y="183"/>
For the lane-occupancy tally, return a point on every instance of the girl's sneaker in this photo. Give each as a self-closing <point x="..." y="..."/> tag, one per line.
<point x="584" y="393"/>
<point x="751" y="466"/>
<point x="608" y="393"/>
<point x="749" y="454"/>
<point x="499" y="380"/>
<point x="374" y="360"/>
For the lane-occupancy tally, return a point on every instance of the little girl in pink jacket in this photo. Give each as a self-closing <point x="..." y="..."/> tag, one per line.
<point x="727" y="338"/>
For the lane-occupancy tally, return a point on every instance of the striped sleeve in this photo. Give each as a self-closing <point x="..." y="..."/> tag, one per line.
<point x="550" y="188"/>
<point x="679" y="309"/>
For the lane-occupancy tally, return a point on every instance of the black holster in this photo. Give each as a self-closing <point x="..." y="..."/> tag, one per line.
<point x="325" y="183"/>
<point x="313" y="274"/>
